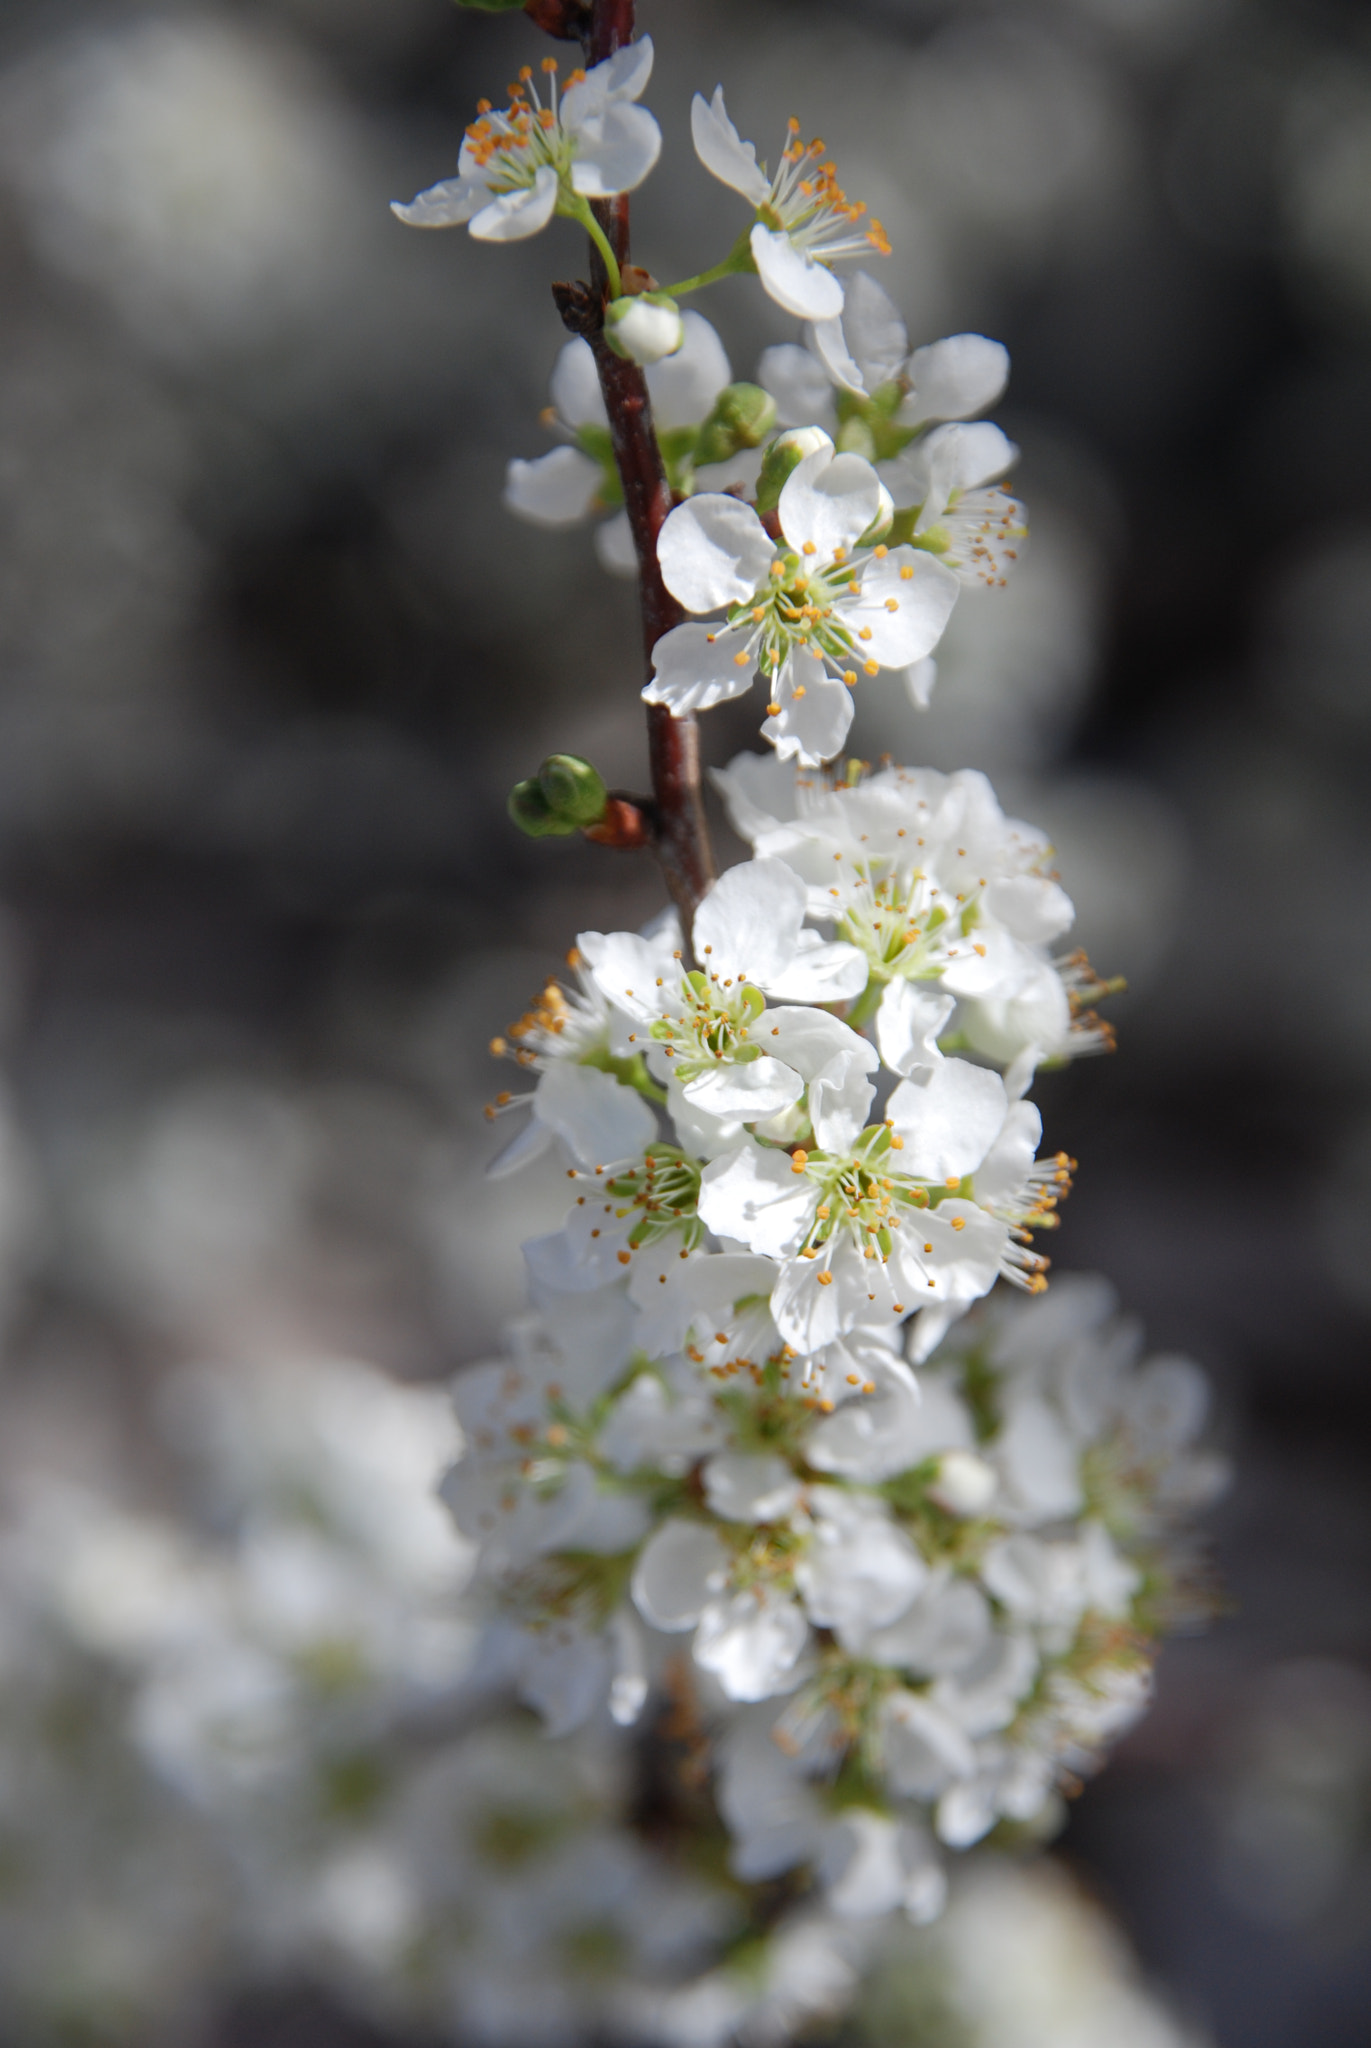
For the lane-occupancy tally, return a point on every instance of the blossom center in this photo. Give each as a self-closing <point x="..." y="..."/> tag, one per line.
<point x="511" y="148"/>
<point x="714" y="1024"/>
<point x="807" y="203"/>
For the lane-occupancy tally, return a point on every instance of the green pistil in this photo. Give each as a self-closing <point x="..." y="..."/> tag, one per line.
<point x="898" y="936"/>
<point x="866" y="1195"/>
<point x="715" y="1025"/>
<point x="795" y="609"/>
<point x="666" y="1189"/>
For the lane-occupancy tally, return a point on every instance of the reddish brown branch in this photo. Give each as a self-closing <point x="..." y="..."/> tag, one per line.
<point x="681" y="837"/>
<point x="568" y="20"/>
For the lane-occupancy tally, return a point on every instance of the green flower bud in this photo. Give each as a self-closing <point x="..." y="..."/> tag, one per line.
<point x="644" y="328"/>
<point x="573" y="791"/>
<point x="529" y="809"/>
<point x="743" y="416"/>
<point x="785" y="454"/>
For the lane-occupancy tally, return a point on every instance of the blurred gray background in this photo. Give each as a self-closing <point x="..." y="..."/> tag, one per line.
<point x="271" y="654"/>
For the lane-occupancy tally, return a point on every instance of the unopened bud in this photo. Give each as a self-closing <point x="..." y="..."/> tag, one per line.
<point x="785" y="454"/>
<point x="644" y="328"/>
<point x="530" y="811"/>
<point x="965" y="1484"/>
<point x="574" y="791"/>
<point x="742" y="417"/>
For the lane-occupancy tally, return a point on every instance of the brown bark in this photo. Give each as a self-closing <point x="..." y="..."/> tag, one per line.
<point x="680" y="834"/>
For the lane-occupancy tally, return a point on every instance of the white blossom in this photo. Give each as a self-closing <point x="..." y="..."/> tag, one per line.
<point x="517" y="168"/>
<point x="804" y="220"/>
<point x="939" y="890"/>
<point x="812" y="613"/>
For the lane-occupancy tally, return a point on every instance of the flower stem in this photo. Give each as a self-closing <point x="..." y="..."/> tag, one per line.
<point x="738" y="261"/>
<point x="581" y="211"/>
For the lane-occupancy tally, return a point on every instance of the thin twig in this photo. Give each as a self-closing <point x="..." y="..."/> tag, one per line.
<point x="681" y="836"/>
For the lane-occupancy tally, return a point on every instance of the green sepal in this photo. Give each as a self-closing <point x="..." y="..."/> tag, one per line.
<point x="742" y="417"/>
<point x="785" y="454"/>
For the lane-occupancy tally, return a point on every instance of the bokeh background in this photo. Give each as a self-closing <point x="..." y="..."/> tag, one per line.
<point x="271" y="654"/>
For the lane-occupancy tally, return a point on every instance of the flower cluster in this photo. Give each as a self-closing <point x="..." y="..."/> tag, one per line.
<point x="833" y="511"/>
<point x="874" y="1550"/>
<point x="913" y="1605"/>
<point x="913" y="1609"/>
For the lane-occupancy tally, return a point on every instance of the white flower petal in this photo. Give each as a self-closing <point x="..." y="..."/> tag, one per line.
<point x="919" y="679"/>
<point x="797" y="382"/>
<point x="707" y="1285"/>
<point x="811" y="1313"/>
<point x="748" y="924"/>
<point x="714" y="551"/>
<point x="531" y="1143"/>
<point x="860" y="1572"/>
<point x="598" y="1119"/>
<point x="516" y="215"/>
<point x="614" y="546"/>
<point x="907" y="1026"/>
<point x="447" y="204"/>
<point x="874" y="330"/>
<point x="830" y="346"/>
<point x="575" y="387"/>
<point x="1033" y="908"/>
<point x="808" y="1039"/>
<point x="948" y="1122"/>
<point x="799" y="284"/>
<point x="563" y="1676"/>
<point x="960" y="458"/>
<point x="758" y="792"/>
<point x="681" y="1565"/>
<point x="556" y="489"/>
<point x="1039" y="1461"/>
<point x="951" y="1253"/>
<point x="954" y="378"/>
<point x="625" y="968"/>
<point x="822" y="971"/>
<point x="923" y="1746"/>
<point x="738" y="472"/>
<point x="618" y="149"/>
<point x="749" y="1091"/>
<point x="754" y="1196"/>
<point x="683" y="387"/>
<point x="839" y="1099"/>
<point x="615" y="80"/>
<point x="810" y="729"/>
<point x="899" y="1426"/>
<point x="694" y="668"/>
<point x="750" y="1486"/>
<point x="829" y="501"/>
<point x="751" y="1643"/>
<point x="1001" y="1173"/>
<point x="722" y="150"/>
<point x="925" y="599"/>
<point x="860" y="1869"/>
